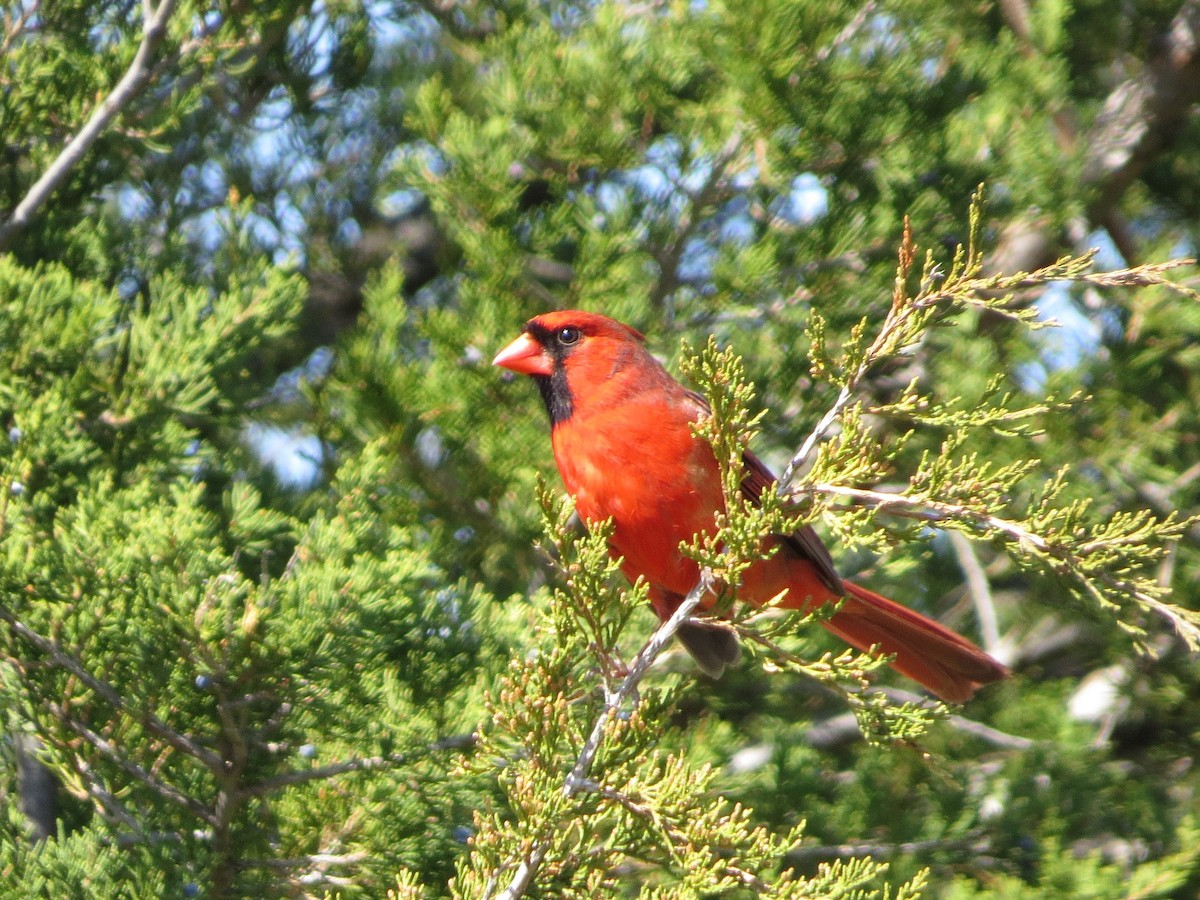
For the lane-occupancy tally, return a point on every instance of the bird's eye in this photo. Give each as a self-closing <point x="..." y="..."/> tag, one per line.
<point x="568" y="335"/>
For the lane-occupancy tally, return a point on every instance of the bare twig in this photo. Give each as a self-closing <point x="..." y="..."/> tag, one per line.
<point x="671" y="256"/>
<point x="154" y="30"/>
<point x="899" y="316"/>
<point x="316" y="859"/>
<point x="15" y="25"/>
<point x="641" y="664"/>
<point x="929" y="510"/>
<point x="821" y="428"/>
<point x="895" y="319"/>
<point x="979" y="588"/>
<point x="974" y="843"/>
<point x="852" y="28"/>
<point x="110" y="807"/>
<point x="526" y="870"/>
<point x="244" y="59"/>
<point x="1016" y="16"/>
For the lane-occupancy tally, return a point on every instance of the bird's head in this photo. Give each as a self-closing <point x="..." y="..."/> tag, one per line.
<point x="569" y="350"/>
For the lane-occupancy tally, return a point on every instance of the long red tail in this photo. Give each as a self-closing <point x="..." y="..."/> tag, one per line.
<point x="930" y="654"/>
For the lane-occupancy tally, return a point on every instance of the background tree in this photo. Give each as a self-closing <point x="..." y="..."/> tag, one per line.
<point x="228" y="228"/>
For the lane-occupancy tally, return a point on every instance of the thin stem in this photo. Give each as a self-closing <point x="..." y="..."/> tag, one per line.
<point x="1185" y="622"/>
<point x="975" y="843"/>
<point x="819" y="430"/>
<point x="897" y="316"/>
<point x="929" y="510"/>
<point x="979" y="589"/>
<point x="641" y="664"/>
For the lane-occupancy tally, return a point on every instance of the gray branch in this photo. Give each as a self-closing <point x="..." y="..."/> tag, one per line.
<point x="111" y="752"/>
<point x="1139" y="122"/>
<point x="1143" y="115"/>
<point x="979" y="588"/>
<point x="131" y="84"/>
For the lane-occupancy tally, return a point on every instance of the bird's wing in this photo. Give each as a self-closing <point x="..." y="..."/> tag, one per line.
<point x="804" y="541"/>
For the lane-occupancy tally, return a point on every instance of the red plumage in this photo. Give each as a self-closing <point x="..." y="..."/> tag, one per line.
<point x="622" y="438"/>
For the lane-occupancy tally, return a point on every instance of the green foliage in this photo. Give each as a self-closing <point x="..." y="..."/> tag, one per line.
<point x="588" y="794"/>
<point x="539" y="722"/>
<point x="738" y="539"/>
<point x="1063" y="874"/>
<point x="729" y="428"/>
<point x="64" y="866"/>
<point x="181" y="645"/>
<point x="1109" y="562"/>
<point x="247" y="689"/>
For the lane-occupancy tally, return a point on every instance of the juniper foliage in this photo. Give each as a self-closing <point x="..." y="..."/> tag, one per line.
<point x="227" y="226"/>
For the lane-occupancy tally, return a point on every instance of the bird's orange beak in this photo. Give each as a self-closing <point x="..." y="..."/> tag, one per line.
<point x="525" y="355"/>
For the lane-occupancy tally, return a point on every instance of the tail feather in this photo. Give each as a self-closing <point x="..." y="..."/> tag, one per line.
<point x="930" y="654"/>
<point x="712" y="646"/>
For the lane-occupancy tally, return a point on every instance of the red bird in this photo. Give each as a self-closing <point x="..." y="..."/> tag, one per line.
<point x="620" y="427"/>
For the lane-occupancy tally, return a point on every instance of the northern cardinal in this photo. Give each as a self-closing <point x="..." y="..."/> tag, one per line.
<point x="622" y="438"/>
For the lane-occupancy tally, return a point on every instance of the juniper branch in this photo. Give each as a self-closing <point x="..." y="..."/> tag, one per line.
<point x="577" y="778"/>
<point x="821" y="429"/>
<point x="893" y="325"/>
<point x="106" y="692"/>
<point x="641" y="664"/>
<point x="908" y="318"/>
<point x="673" y="836"/>
<point x="360" y="764"/>
<point x="110" y="752"/>
<point x="1069" y="558"/>
<point x="109" y="806"/>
